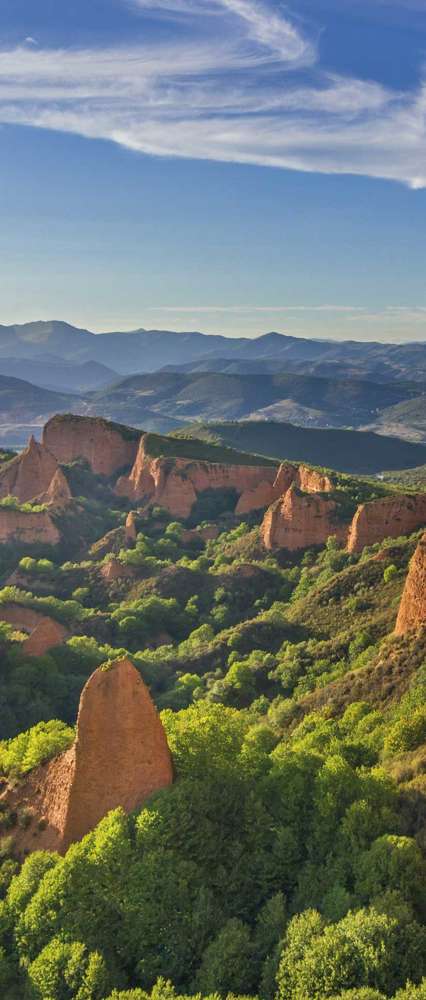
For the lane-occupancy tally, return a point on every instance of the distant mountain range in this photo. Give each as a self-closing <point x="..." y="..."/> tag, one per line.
<point x="149" y="350"/>
<point x="160" y="380"/>
<point x="59" y="375"/>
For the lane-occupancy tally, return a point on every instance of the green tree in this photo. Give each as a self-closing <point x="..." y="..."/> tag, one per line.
<point x="66" y="970"/>
<point x="227" y="963"/>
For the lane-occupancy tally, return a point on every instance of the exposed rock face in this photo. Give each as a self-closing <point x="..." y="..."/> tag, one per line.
<point x="175" y="483"/>
<point x="23" y="619"/>
<point x="120" y="757"/>
<point x="387" y="518"/>
<point x="115" y="570"/>
<point x="312" y="481"/>
<point x="308" y="480"/>
<point x="29" y="474"/>
<point x="28" y="528"/>
<point x="45" y="636"/>
<point x="298" y="520"/>
<point x="130" y="530"/>
<point x="261" y="496"/>
<point x="103" y="445"/>
<point x="59" y="493"/>
<point x="412" y="610"/>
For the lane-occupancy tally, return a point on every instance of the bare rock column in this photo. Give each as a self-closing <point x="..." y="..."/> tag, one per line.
<point x="412" y="610"/>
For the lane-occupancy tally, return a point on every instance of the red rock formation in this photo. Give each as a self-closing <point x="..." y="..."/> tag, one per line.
<point x="298" y="520"/>
<point x="113" y="569"/>
<point x="130" y="530"/>
<point x="28" y="528"/>
<point x="59" y="493"/>
<point x="412" y="610"/>
<point x="105" y="446"/>
<point x="120" y="757"/>
<point x="386" y="518"/>
<point x="261" y="496"/>
<point x="312" y="481"/>
<point x="46" y="635"/>
<point x="307" y="479"/>
<point x="23" y="619"/>
<point x="175" y="483"/>
<point x="29" y="474"/>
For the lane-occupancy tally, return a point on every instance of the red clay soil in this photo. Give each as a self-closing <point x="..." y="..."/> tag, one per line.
<point x="120" y="757"/>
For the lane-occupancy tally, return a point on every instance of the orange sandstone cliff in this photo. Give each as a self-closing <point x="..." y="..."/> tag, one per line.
<point x="106" y="447"/>
<point x="412" y="610"/>
<point x="119" y="758"/>
<point x="298" y="520"/>
<point x="386" y="518"/>
<point x="175" y="483"/>
<point x="29" y="474"/>
<point x="307" y="479"/>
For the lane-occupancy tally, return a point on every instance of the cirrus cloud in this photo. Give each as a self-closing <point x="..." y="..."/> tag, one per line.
<point x="243" y="85"/>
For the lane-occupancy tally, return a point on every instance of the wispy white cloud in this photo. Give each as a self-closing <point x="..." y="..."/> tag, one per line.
<point x="259" y="309"/>
<point x="230" y="89"/>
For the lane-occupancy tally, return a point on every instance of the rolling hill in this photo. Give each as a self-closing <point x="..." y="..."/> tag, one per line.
<point x="357" y="452"/>
<point x="305" y="400"/>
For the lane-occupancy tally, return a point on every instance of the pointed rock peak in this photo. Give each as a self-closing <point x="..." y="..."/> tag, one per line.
<point x="59" y="491"/>
<point x="47" y="634"/>
<point x="119" y="758"/>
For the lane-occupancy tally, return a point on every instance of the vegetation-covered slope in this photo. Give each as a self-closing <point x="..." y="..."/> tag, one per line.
<point x="288" y="859"/>
<point x="350" y="451"/>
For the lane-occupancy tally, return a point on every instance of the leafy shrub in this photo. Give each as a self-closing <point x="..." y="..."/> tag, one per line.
<point x="45" y="740"/>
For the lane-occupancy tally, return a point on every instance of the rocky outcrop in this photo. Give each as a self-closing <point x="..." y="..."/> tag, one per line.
<point x="412" y="610"/>
<point x="113" y="569"/>
<point x="130" y="529"/>
<point x="59" y="493"/>
<point x="27" y="528"/>
<point x="22" y="618"/>
<point x="298" y="520"/>
<point x="175" y="483"/>
<point x="119" y="758"/>
<point x="261" y="496"/>
<point x="107" y="447"/>
<point x="386" y="518"/>
<point x="30" y="474"/>
<point x="46" y="635"/>
<point x="307" y="479"/>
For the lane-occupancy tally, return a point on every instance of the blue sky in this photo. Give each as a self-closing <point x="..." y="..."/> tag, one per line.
<point x="234" y="166"/>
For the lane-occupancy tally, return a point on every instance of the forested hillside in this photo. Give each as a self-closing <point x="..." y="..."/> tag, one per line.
<point x="288" y="859"/>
